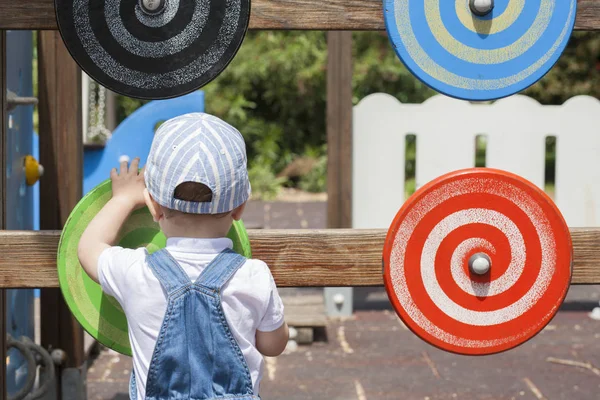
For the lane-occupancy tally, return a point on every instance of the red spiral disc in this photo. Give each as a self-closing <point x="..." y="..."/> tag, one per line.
<point x="493" y="216"/>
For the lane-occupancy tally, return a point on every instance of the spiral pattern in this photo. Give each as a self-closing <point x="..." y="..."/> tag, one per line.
<point x="433" y="236"/>
<point x="479" y="58"/>
<point x="99" y="314"/>
<point x="158" y="56"/>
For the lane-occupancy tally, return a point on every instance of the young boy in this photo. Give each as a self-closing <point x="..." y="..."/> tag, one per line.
<point x="199" y="315"/>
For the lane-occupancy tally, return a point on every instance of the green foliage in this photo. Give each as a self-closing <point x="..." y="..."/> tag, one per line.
<point x="265" y="185"/>
<point x="577" y="72"/>
<point x="274" y="92"/>
<point x="410" y="165"/>
<point x="316" y="180"/>
<point x="126" y="106"/>
<point x="550" y="159"/>
<point x="410" y="186"/>
<point x="480" y="148"/>
<point x="377" y="69"/>
<point x="410" y="157"/>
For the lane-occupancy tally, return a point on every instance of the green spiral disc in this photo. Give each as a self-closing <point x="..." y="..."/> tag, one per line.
<point x="100" y="314"/>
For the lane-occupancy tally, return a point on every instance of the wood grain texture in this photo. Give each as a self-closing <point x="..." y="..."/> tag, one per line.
<point x="28" y="14"/>
<point x="61" y="143"/>
<point x="305" y="310"/>
<point x="356" y="15"/>
<point x="3" y="132"/>
<point x="61" y="154"/>
<point x="588" y="15"/>
<point x="317" y="15"/>
<point x="3" y="185"/>
<point x="38" y="251"/>
<point x="339" y="129"/>
<point x="297" y="258"/>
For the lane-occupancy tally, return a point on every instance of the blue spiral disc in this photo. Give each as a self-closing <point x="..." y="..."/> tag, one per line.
<point x="470" y="57"/>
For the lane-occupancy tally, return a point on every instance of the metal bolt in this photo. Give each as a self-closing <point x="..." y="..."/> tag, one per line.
<point x="481" y="7"/>
<point x="480" y="264"/>
<point x="152" y="7"/>
<point x="58" y="356"/>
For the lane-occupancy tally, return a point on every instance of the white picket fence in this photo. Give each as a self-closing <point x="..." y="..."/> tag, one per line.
<point x="446" y="129"/>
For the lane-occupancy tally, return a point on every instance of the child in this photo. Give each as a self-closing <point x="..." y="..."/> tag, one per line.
<point x="200" y="340"/>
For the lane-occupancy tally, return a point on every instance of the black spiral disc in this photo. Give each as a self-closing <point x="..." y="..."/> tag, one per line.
<point x="153" y="49"/>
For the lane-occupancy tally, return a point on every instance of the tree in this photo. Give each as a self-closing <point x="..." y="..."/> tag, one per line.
<point x="274" y="90"/>
<point x="577" y="72"/>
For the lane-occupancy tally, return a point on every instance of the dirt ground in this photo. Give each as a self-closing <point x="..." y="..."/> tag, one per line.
<point x="372" y="355"/>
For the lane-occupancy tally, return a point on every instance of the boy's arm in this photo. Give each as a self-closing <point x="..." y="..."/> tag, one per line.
<point x="273" y="338"/>
<point x="127" y="195"/>
<point x="272" y="344"/>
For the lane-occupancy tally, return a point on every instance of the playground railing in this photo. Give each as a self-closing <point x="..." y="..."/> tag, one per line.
<point x="297" y="258"/>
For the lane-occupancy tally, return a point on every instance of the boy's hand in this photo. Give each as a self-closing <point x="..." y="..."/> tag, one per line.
<point x="103" y="231"/>
<point x="128" y="185"/>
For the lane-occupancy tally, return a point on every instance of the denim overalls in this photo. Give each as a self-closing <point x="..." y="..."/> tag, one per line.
<point x="196" y="356"/>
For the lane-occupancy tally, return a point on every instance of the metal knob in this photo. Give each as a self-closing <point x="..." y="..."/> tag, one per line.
<point x="481" y="7"/>
<point x="480" y="264"/>
<point x="13" y="100"/>
<point x="152" y="7"/>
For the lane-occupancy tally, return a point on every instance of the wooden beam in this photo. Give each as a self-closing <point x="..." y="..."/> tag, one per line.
<point x="339" y="129"/>
<point x="297" y="258"/>
<point x="356" y="15"/>
<point x="3" y="185"/>
<point x="61" y="154"/>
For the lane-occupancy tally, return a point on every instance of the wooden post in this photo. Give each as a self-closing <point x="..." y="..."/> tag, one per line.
<point x="339" y="130"/>
<point x="3" y="158"/>
<point x="61" y="153"/>
<point x="339" y="153"/>
<point x="110" y="112"/>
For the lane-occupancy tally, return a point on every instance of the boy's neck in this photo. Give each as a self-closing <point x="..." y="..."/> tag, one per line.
<point x="196" y="226"/>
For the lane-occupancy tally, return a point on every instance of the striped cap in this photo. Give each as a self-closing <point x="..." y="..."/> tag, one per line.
<point x="200" y="148"/>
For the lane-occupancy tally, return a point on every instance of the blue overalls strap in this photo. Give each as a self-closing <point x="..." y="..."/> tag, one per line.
<point x="168" y="271"/>
<point x="218" y="272"/>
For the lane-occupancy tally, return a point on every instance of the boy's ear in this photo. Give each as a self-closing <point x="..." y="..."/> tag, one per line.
<point x="237" y="213"/>
<point x="153" y="206"/>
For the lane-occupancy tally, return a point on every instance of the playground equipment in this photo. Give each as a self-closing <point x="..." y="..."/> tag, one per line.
<point x="19" y="197"/>
<point x="153" y="48"/>
<point x="95" y="115"/>
<point x="22" y="173"/>
<point x="296" y="258"/>
<point x="479" y="50"/>
<point x="502" y="41"/>
<point x="99" y="314"/>
<point x="98" y="161"/>
<point x="517" y="144"/>
<point x="477" y="261"/>
<point x="133" y="136"/>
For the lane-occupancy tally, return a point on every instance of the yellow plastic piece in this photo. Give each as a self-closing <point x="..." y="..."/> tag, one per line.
<point x="33" y="170"/>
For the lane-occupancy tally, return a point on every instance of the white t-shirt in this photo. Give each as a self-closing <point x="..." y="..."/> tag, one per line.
<point x="250" y="299"/>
